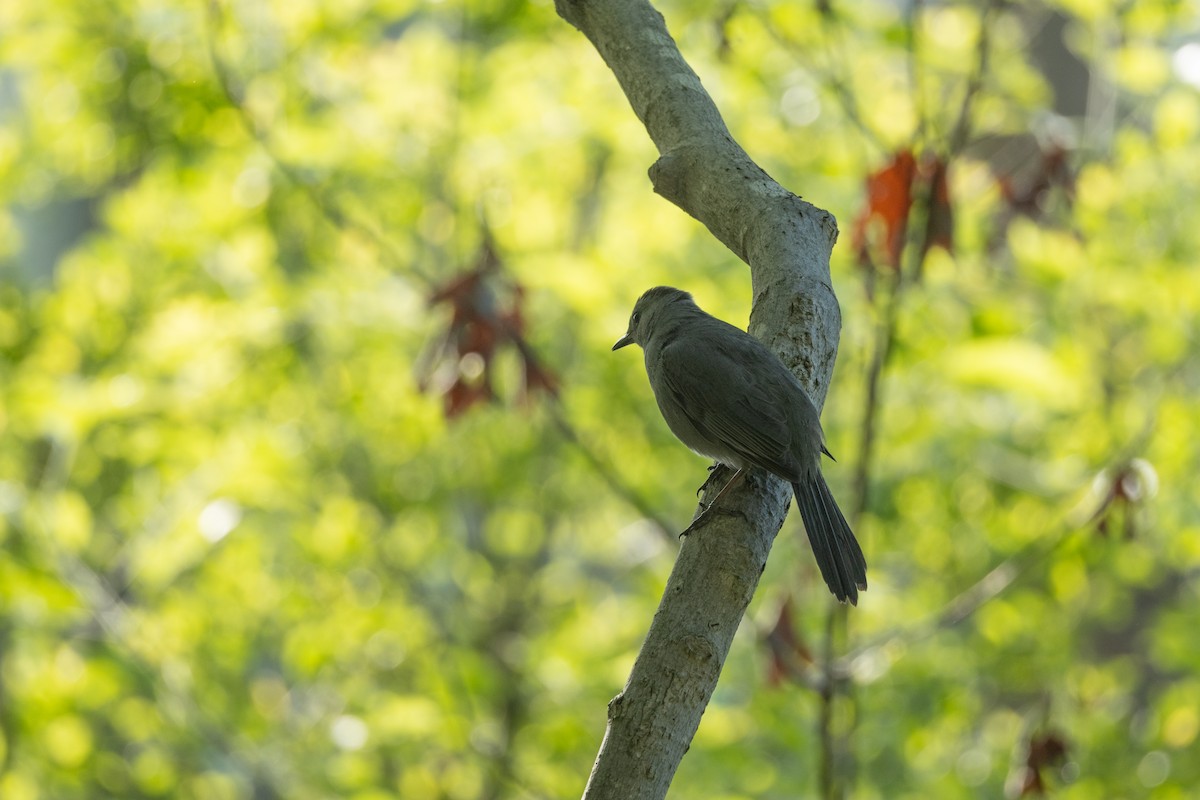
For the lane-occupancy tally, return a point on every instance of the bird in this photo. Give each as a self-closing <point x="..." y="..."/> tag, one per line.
<point x="726" y="396"/>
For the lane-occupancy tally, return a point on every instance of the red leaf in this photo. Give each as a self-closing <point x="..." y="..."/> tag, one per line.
<point x="486" y="313"/>
<point x="462" y="395"/>
<point x="1025" y="185"/>
<point x="1032" y="784"/>
<point x="1045" y="750"/>
<point x="889" y="200"/>
<point x="1125" y="491"/>
<point x="788" y="652"/>
<point x="939" y="228"/>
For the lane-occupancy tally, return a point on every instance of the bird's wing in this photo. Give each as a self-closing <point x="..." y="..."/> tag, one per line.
<point x="727" y="402"/>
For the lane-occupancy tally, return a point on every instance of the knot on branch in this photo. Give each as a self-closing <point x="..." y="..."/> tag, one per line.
<point x="702" y="654"/>
<point x="668" y="175"/>
<point x="614" y="705"/>
<point x="571" y="11"/>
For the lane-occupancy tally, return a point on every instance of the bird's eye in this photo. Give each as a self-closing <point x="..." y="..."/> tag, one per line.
<point x="637" y="315"/>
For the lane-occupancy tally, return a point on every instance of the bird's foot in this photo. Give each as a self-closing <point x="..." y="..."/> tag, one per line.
<point x="706" y="509"/>
<point x="712" y="470"/>
<point x="699" y="521"/>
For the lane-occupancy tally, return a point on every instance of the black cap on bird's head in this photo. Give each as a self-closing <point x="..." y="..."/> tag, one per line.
<point x="645" y="310"/>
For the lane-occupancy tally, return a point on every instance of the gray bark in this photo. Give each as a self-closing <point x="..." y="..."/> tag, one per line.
<point x="787" y="243"/>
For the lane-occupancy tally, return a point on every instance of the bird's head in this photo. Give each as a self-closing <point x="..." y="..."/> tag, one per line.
<point x="656" y="305"/>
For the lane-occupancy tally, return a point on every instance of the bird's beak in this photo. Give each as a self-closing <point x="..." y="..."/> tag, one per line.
<point x="624" y="340"/>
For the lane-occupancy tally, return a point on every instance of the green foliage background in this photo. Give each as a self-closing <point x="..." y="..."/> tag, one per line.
<point x="244" y="555"/>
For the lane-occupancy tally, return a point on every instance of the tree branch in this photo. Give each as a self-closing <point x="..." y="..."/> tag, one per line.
<point x="787" y="243"/>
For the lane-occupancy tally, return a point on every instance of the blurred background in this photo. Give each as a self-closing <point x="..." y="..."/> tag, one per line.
<point x="318" y="478"/>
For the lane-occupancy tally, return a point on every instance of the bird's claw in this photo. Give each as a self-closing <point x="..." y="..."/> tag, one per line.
<point x="711" y="471"/>
<point x="705" y="512"/>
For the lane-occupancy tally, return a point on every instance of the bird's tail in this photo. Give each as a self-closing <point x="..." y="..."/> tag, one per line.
<point x="838" y="555"/>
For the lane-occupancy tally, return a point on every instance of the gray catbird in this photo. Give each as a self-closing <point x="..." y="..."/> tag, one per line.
<point x="728" y="397"/>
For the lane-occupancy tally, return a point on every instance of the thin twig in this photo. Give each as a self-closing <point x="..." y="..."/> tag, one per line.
<point x="831" y="75"/>
<point x="997" y="579"/>
<point x="962" y="127"/>
<point x="339" y="217"/>
<point x="919" y="233"/>
<point x="113" y="617"/>
<point x="993" y="583"/>
<point x="608" y="474"/>
<point x="914" y="66"/>
<point x="885" y="334"/>
<point x="825" y="734"/>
